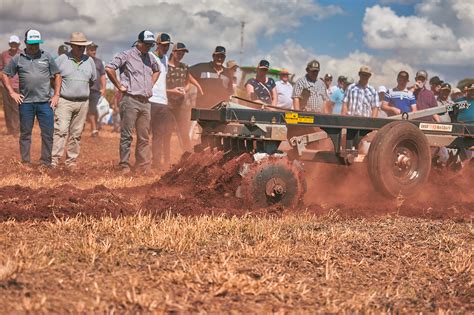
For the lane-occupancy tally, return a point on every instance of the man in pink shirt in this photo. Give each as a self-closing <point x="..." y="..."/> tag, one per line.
<point x="10" y="108"/>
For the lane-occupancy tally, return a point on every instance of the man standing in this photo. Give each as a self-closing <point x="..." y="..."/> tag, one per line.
<point x="233" y="66"/>
<point x="62" y="49"/>
<point x="309" y="93"/>
<point x="361" y="99"/>
<point x="424" y="98"/>
<point x="466" y="115"/>
<point x="10" y="108"/>
<point x="214" y="78"/>
<point x="284" y="90"/>
<point x="78" y="73"/>
<point x="328" y="81"/>
<point x="138" y="73"/>
<point x="177" y="83"/>
<point x="399" y="99"/>
<point x="334" y="105"/>
<point x="435" y="85"/>
<point x="162" y="120"/>
<point x="35" y="68"/>
<point x="97" y="90"/>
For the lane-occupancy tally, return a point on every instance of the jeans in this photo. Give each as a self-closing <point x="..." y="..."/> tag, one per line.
<point x="134" y="114"/>
<point x="69" y="121"/>
<point x="45" y="116"/>
<point x="162" y="125"/>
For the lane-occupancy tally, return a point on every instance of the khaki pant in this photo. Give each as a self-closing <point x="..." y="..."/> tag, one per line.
<point x="12" y="113"/>
<point x="69" y="119"/>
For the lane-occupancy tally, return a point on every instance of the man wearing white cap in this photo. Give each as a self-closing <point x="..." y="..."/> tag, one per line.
<point x="12" y="117"/>
<point x="35" y="68"/>
<point x="78" y="73"/>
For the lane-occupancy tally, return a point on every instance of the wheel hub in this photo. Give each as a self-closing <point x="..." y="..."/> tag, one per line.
<point x="275" y="187"/>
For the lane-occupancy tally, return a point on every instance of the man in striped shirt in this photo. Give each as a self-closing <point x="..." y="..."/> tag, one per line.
<point x="309" y="93"/>
<point x="361" y="99"/>
<point x="399" y="99"/>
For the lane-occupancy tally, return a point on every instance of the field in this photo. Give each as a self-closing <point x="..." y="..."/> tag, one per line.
<point x="91" y="240"/>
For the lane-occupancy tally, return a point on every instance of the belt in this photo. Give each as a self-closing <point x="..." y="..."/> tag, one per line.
<point x="75" y="99"/>
<point x="140" y="98"/>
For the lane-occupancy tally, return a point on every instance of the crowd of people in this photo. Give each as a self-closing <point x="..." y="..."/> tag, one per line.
<point x="153" y="88"/>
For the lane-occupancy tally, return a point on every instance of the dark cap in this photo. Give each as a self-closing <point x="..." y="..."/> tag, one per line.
<point x="62" y="49"/>
<point x="219" y="50"/>
<point x="446" y="86"/>
<point x="93" y="45"/>
<point x="327" y="76"/>
<point x="180" y="46"/>
<point x="163" y="38"/>
<point x="436" y="81"/>
<point x="403" y="74"/>
<point x="313" y="65"/>
<point x="469" y="87"/>
<point x="263" y="64"/>
<point x="421" y="73"/>
<point x="146" y="37"/>
<point x="342" y="78"/>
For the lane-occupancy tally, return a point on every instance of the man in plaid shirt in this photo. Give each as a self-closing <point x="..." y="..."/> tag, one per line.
<point x="309" y="93"/>
<point x="361" y="99"/>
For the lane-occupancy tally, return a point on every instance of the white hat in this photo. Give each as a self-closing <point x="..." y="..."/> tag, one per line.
<point x="33" y="37"/>
<point x="382" y="89"/>
<point x="14" y="39"/>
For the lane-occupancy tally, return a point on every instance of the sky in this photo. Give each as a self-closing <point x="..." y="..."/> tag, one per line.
<point x="387" y="35"/>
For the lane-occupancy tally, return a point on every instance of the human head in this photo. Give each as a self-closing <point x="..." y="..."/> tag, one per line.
<point x="262" y="67"/>
<point x="32" y="41"/>
<point x="14" y="42"/>
<point x="341" y="81"/>
<point x="445" y="90"/>
<point x="327" y="79"/>
<point x="470" y="91"/>
<point x="402" y="79"/>
<point x="420" y="78"/>
<point x="284" y="75"/>
<point x="62" y="49"/>
<point x="218" y="56"/>
<point x="435" y="83"/>
<point x="348" y="81"/>
<point x="381" y="91"/>
<point x="312" y="69"/>
<point x="364" y="75"/>
<point x="163" y="41"/>
<point x="456" y="94"/>
<point x="78" y="43"/>
<point x="92" y="49"/>
<point x="232" y="65"/>
<point x="145" y="41"/>
<point x="178" y="51"/>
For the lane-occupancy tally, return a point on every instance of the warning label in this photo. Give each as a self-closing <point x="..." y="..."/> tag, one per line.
<point x="295" y="118"/>
<point x="436" y="127"/>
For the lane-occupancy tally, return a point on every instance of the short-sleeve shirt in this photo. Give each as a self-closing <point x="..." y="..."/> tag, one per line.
<point x="403" y="100"/>
<point x="177" y="76"/>
<point x="262" y="91"/>
<point x="444" y="117"/>
<point x="284" y="92"/>
<point x="34" y="74"/>
<point x="159" y="89"/>
<point x="312" y="94"/>
<point x="100" y="69"/>
<point x="76" y="76"/>
<point x="425" y="99"/>
<point x="337" y="96"/>
<point x="217" y="87"/>
<point x="5" y="58"/>
<point x="466" y="115"/>
<point x="361" y="100"/>
<point x="136" y="71"/>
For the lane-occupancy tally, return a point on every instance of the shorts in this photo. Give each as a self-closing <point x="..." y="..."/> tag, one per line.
<point x="94" y="98"/>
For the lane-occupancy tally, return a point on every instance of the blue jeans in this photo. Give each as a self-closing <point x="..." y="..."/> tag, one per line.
<point x="45" y="115"/>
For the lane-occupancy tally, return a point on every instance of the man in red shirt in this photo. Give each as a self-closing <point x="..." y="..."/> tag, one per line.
<point x="10" y="108"/>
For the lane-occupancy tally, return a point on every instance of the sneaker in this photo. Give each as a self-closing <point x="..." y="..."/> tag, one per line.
<point x="95" y="133"/>
<point x="125" y="170"/>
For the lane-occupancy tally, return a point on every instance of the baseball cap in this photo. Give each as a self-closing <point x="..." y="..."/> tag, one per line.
<point x="93" y="45"/>
<point x="231" y="64"/>
<point x="470" y="86"/>
<point x="163" y="38"/>
<point x="327" y="76"/>
<point x="180" y="46"/>
<point x="14" y="39"/>
<point x="284" y="71"/>
<point x="446" y="86"/>
<point x="365" y="69"/>
<point x="33" y="37"/>
<point x="455" y="91"/>
<point x="422" y="73"/>
<point x="263" y="64"/>
<point x="219" y="50"/>
<point x="146" y="37"/>
<point x="403" y="74"/>
<point x="313" y="65"/>
<point x="436" y="81"/>
<point x="349" y="80"/>
<point x="382" y="89"/>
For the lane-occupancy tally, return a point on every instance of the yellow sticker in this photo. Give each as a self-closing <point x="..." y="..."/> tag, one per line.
<point x="295" y="118"/>
<point x="306" y="119"/>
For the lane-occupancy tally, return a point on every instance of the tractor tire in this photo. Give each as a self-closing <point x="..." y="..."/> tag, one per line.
<point x="399" y="159"/>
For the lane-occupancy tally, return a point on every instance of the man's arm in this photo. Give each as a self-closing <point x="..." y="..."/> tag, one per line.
<point x="194" y="82"/>
<point x="345" y="108"/>
<point x="375" y="112"/>
<point x="274" y="97"/>
<point x="413" y="108"/>
<point x="113" y="78"/>
<point x="328" y="107"/>
<point x="57" y="89"/>
<point x="297" y="90"/>
<point x="17" y="97"/>
<point x="103" y="84"/>
<point x="154" y="77"/>
<point x="390" y="110"/>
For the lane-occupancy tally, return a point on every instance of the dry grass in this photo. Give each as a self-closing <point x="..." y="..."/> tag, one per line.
<point x="216" y="264"/>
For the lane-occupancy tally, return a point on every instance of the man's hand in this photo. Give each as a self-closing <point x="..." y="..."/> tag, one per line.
<point x="54" y="101"/>
<point x="123" y="89"/>
<point x="102" y="92"/>
<point x="17" y="97"/>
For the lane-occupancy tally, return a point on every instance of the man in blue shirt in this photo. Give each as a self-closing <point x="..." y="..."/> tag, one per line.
<point x="466" y="115"/>
<point x="334" y="105"/>
<point x="399" y="99"/>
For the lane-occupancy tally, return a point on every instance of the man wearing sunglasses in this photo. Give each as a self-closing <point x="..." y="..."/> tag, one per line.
<point x="139" y="71"/>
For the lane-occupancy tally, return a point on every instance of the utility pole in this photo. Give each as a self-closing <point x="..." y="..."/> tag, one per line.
<point x="242" y="26"/>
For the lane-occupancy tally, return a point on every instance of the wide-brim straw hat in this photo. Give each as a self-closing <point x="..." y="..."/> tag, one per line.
<point x="79" y="39"/>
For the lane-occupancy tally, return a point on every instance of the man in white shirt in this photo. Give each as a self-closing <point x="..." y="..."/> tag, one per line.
<point x="161" y="123"/>
<point x="284" y="90"/>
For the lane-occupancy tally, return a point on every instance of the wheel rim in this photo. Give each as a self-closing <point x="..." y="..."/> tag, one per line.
<point x="275" y="190"/>
<point x="406" y="162"/>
